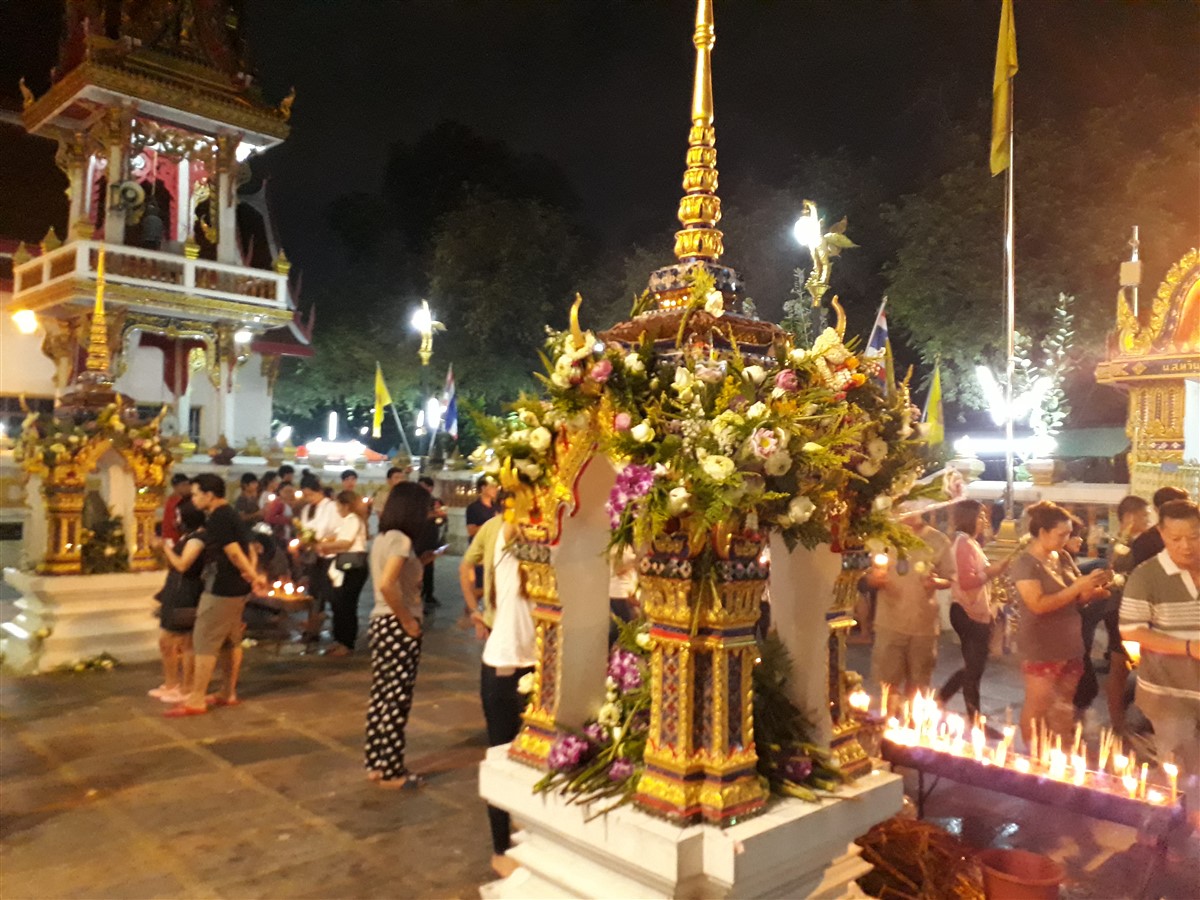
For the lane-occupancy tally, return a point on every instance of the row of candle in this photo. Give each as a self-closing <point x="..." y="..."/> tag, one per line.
<point x="923" y="723"/>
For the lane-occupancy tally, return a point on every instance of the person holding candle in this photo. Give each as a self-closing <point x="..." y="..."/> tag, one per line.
<point x="907" y="615"/>
<point x="971" y="612"/>
<point x="1160" y="610"/>
<point x="1050" y="629"/>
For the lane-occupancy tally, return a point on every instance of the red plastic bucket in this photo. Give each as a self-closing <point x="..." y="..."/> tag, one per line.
<point x="1020" y="875"/>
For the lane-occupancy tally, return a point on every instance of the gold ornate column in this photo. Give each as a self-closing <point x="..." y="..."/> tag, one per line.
<point x="532" y="745"/>
<point x="64" y="526"/>
<point x="226" y="200"/>
<point x="700" y="757"/>
<point x="115" y="134"/>
<point x="72" y="158"/>
<point x="146" y="504"/>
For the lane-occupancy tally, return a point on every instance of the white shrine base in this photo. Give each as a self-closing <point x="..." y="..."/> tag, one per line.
<point x="81" y="617"/>
<point x="793" y="849"/>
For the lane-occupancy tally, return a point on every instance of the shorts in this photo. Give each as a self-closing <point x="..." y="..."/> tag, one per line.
<point x="218" y="624"/>
<point x="903" y="659"/>
<point x="1056" y="668"/>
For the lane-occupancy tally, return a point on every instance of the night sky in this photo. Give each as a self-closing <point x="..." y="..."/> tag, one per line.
<point x="603" y="88"/>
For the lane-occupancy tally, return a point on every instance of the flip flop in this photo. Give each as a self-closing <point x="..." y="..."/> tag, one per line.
<point x="181" y="712"/>
<point x="214" y="700"/>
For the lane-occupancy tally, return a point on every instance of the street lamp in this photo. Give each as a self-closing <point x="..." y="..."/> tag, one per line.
<point x="26" y="321"/>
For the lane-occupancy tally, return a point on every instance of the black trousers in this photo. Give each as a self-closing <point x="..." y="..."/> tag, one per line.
<point x="321" y="593"/>
<point x="502" y="708"/>
<point x="345" y="607"/>
<point x="976" y="640"/>
<point x="427" y="598"/>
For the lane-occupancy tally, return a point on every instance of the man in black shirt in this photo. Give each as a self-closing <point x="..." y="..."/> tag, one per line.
<point x="1150" y="543"/>
<point x="229" y="574"/>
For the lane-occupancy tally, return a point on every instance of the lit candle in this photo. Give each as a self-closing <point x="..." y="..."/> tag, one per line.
<point x="1131" y="785"/>
<point x="1142" y="780"/>
<point x="883" y="701"/>
<point x="1172" y="771"/>
<point x="1155" y="796"/>
<point x="1022" y="765"/>
<point x="1078" y="738"/>
<point x="1119" y="764"/>
<point x="977" y="742"/>
<point x="1058" y="765"/>
<point x="1079" y="764"/>
<point x="1001" y="753"/>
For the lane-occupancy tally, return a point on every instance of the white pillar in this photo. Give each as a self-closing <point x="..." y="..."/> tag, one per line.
<point x="183" y="202"/>
<point x="227" y="249"/>
<point x="117" y="140"/>
<point x="229" y="406"/>
<point x="89" y="186"/>
<point x="78" y="167"/>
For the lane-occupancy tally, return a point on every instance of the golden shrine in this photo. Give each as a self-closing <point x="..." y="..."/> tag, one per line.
<point x="1156" y="359"/>
<point x="692" y="827"/>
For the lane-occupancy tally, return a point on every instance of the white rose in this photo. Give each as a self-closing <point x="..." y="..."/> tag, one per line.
<point x="798" y="355"/>
<point x="757" y="411"/>
<point x="800" y="510"/>
<point x="718" y="467"/>
<point x="714" y="304"/>
<point x="530" y="470"/>
<point x="634" y="364"/>
<point x="754" y="374"/>
<point x="778" y="463"/>
<point x="677" y="500"/>
<point x="539" y="439"/>
<point x="877" y="448"/>
<point x="642" y="432"/>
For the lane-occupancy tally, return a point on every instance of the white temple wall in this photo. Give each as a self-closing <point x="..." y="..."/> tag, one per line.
<point x="143" y="377"/>
<point x="24" y="369"/>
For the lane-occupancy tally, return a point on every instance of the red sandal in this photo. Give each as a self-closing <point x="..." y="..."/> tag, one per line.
<point x="182" y="712"/>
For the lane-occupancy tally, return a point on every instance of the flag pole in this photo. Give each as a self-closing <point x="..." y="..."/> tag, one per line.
<point x="1010" y="312"/>
<point x="403" y="436"/>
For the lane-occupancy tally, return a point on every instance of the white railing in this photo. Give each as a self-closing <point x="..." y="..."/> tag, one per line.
<point x="153" y="269"/>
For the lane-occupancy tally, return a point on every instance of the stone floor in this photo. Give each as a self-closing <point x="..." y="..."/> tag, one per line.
<point x="101" y="797"/>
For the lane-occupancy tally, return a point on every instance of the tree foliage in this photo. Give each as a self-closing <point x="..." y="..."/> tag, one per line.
<point x="1080" y="186"/>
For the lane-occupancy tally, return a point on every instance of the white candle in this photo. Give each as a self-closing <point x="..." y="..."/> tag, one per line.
<point x="1172" y="771"/>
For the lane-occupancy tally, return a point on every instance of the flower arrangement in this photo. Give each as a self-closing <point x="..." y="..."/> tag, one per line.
<point x="604" y="762"/>
<point x="803" y="440"/>
<point x="103" y="549"/>
<point x="48" y="441"/>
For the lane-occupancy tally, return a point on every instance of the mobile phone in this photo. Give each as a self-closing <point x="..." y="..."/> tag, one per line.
<point x="442" y="549"/>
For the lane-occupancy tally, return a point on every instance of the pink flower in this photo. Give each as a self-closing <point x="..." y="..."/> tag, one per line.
<point x="622" y="422"/>
<point x="765" y="443"/>
<point x="601" y="371"/>
<point x="787" y="380"/>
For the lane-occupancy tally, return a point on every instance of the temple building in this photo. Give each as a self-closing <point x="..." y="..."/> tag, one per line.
<point x="156" y="117"/>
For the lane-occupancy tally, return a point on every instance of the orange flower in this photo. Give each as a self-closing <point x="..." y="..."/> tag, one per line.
<point x="858" y="379"/>
<point x="851" y="362"/>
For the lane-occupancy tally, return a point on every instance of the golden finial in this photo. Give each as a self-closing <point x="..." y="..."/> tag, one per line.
<point x="700" y="208"/>
<point x="285" y="105"/>
<point x="97" y="357"/>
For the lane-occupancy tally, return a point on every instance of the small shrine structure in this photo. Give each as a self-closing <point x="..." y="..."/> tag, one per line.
<point x="1155" y="358"/>
<point x="156" y="117"/>
<point x="701" y="822"/>
<point x="95" y="480"/>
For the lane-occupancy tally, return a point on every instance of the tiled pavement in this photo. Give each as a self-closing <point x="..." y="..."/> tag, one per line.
<point x="101" y="797"/>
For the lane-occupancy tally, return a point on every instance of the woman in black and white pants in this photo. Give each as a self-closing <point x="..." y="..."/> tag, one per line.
<point x="395" y="633"/>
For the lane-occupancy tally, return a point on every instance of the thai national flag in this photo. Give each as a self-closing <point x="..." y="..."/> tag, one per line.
<point x="877" y="343"/>
<point x="450" y="419"/>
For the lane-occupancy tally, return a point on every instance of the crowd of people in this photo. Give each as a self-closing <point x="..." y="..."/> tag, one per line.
<point x="1145" y="592"/>
<point x="222" y="554"/>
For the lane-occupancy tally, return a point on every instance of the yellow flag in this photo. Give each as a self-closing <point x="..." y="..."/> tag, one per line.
<point x="933" y="415"/>
<point x="382" y="399"/>
<point x="1006" y="68"/>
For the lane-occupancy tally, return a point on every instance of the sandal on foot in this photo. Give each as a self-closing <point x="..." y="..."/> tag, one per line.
<point x="215" y="700"/>
<point x="181" y="712"/>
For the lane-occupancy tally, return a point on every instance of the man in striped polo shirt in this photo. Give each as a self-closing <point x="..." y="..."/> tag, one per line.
<point x="1161" y="611"/>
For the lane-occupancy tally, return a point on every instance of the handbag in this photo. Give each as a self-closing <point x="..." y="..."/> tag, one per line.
<point x="350" y="559"/>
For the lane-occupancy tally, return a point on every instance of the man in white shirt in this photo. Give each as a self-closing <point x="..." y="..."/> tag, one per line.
<point x="320" y="518"/>
<point x="509" y="651"/>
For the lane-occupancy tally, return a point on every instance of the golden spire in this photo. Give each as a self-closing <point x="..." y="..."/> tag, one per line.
<point x="97" y="357"/>
<point x="700" y="208"/>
